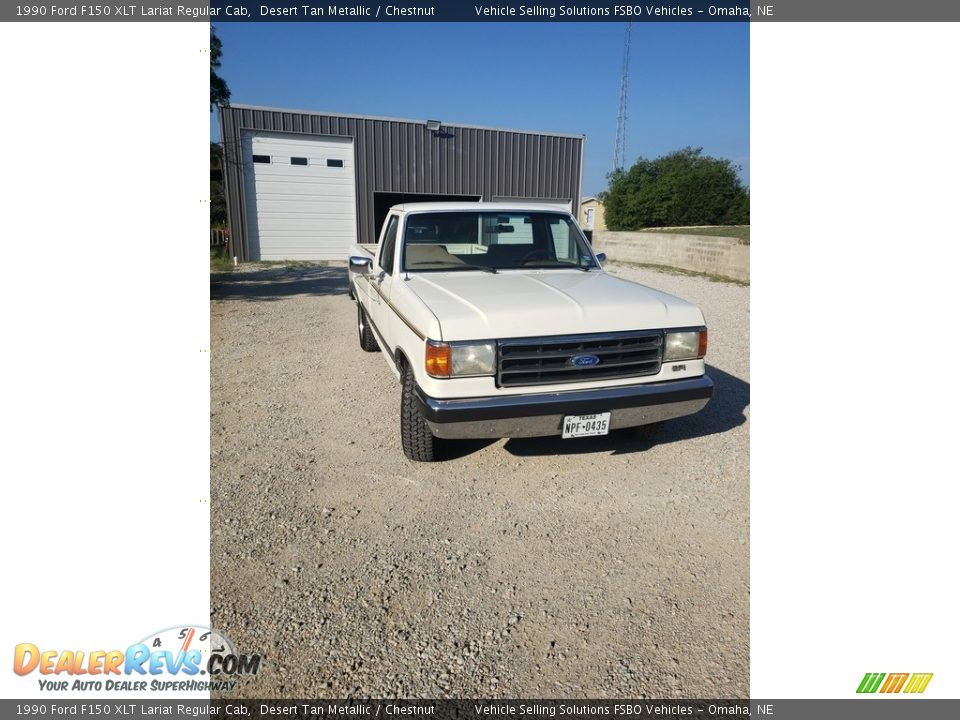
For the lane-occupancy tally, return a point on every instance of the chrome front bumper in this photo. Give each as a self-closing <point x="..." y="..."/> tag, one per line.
<point x="541" y="414"/>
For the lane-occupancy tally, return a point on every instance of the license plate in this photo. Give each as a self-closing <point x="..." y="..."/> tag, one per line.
<point x="586" y="425"/>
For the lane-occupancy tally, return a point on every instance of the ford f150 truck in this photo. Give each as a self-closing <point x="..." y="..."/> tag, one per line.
<point x="500" y="322"/>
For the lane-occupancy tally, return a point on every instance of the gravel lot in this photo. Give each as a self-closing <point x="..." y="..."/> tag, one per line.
<point x="598" y="567"/>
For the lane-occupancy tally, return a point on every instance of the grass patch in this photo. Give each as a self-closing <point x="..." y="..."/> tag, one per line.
<point x="740" y="232"/>
<point x="220" y="261"/>
<point x="670" y="270"/>
<point x="290" y="263"/>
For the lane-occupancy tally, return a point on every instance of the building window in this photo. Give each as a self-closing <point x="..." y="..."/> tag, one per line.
<point x="334" y="163"/>
<point x="298" y="161"/>
<point x="261" y="159"/>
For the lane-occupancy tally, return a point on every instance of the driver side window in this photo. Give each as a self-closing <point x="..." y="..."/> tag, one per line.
<point x="389" y="245"/>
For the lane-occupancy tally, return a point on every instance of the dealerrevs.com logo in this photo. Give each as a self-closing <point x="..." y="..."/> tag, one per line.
<point x="183" y="659"/>
<point x="894" y="683"/>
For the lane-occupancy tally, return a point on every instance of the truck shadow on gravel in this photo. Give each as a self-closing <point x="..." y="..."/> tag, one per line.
<point x="276" y="283"/>
<point x="724" y="412"/>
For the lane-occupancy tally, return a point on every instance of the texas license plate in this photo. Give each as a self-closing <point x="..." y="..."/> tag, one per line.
<point x="586" y="425"/>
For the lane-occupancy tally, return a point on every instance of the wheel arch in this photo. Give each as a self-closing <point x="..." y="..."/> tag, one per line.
<point x="401" y="360"/>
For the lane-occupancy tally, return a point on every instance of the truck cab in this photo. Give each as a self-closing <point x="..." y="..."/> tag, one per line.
<point x="499" y="321"/>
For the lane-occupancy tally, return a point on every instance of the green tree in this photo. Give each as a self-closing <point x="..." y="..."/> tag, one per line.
<point x="218" y="201"/>
<point x="219" y="92"/>
<point x="684" y="187"/>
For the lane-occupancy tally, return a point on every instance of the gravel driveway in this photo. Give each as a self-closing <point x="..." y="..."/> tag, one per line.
<point x="598" y="567"/>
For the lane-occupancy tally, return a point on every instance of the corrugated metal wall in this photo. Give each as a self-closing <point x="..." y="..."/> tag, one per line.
<point x="402" y="156"/>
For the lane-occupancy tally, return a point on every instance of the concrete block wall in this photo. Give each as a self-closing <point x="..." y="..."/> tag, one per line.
<point x="699" y="253"/>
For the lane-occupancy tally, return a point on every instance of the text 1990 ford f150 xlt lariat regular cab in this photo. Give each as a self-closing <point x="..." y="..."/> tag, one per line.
<point x="500" y="322"/>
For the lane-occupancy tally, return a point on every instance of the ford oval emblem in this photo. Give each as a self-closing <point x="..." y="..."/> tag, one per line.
<point x="584" y="360"/>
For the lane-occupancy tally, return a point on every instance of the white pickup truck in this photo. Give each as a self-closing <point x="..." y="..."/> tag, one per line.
<point x="500" y="322"/>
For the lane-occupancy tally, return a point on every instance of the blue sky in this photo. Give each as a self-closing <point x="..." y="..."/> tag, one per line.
<point x="689" y="82"/>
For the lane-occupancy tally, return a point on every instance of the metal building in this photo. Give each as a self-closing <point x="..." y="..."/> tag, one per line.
<point x="303" y="185"/>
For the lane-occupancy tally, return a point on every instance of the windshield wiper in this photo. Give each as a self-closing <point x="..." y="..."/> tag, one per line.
<point x="558" y="266"/>
<point x="469" y="266"/>
<point x="451" y="266"/>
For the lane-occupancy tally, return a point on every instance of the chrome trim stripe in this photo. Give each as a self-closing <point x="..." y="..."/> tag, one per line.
<point x="571" y="402"/>
<point x="544" y="425"/>
<point x="587" y="337"/>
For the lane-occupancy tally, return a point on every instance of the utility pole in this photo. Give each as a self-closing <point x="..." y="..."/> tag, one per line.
<point x="620" y="150"/>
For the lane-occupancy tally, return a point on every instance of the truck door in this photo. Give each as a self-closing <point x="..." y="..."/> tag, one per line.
<point x="381" y="280"/>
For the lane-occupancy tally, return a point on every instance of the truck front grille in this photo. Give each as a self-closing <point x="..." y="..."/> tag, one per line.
<point x="551" y="360"/>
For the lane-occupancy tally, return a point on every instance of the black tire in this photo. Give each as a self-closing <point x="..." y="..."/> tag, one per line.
<point x="367" y="340"/>
<point x="419" y="444"/>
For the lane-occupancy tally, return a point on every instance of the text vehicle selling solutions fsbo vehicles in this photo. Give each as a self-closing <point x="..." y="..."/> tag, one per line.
<point x="500" y="322"/>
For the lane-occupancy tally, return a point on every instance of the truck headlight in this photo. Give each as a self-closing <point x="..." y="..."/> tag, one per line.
<point x="685" y="345"/>
<point x="445" y="360"/>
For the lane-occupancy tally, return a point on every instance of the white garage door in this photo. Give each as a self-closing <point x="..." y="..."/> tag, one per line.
<point x="300" y="196"/>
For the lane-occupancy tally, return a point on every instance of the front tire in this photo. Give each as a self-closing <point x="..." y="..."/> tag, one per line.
<point x="367" y="341"/>
<point x="419" y="444"/>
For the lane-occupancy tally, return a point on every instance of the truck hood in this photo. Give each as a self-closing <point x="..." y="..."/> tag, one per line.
<point x="482" y="306"/>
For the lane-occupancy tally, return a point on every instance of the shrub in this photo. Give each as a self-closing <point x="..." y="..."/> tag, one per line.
<point x="682" y="188"/>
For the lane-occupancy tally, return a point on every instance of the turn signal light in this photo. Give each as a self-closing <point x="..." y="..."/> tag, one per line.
<point x="438" y="360"/>
<point x="703" y="343"/>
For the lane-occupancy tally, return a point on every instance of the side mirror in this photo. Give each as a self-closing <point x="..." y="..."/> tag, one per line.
<point x="601" y="258"/>
<point x="360" y="264"/>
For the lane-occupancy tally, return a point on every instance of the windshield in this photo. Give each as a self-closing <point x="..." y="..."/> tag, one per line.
<point x="493" y="241"/>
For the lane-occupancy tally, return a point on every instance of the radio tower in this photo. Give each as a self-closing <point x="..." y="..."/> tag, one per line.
<point x="620" y="151"/>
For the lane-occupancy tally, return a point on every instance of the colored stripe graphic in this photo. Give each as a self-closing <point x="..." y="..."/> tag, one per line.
<point x="918" y="682"/>
<point x="894" y="682"/>
<point x="870" y="682"/>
